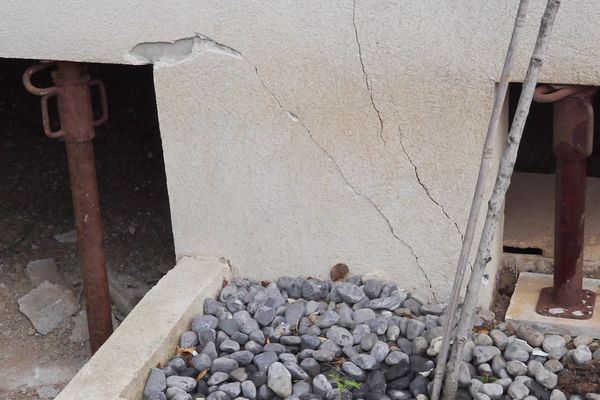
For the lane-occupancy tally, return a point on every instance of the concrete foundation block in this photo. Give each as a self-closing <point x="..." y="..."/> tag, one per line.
<point x="149" y="334"/>
<point x="525" y="298"/>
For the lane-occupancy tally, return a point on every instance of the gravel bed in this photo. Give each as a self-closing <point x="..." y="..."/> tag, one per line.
<point x="366" y="339"/>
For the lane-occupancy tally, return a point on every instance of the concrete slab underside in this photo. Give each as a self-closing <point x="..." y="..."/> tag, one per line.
<point x="529" y="215"/>
<point x="149" y="334"/>
<point x="524" y="300"/>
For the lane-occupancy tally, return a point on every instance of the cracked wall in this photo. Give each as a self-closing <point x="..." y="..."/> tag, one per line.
<point x="298" y="137"/>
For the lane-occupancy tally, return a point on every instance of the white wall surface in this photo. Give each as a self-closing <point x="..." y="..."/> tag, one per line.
<point x="301" y="134"/>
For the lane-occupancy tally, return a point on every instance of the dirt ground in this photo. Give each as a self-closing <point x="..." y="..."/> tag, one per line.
<point x="35" y="205"/>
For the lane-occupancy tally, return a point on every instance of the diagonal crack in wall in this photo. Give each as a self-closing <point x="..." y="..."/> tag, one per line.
<point x="425" y="189"/>
<point x="347" y="182"/>
<point x="368" y="83"/>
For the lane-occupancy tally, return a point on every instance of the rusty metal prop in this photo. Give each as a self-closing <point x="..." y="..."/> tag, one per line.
<point x="573" y="138"/>
<point x="73" y="95"/>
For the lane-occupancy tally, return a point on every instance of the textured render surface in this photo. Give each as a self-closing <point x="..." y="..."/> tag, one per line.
<point x="149" y="334"/>
<point x="524" y="300"/>
<point x="298" y="136"/>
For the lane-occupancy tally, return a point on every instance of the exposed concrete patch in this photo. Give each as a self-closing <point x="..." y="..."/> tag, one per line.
<point x="178" y="51"/>
<point x="149" y="333"/>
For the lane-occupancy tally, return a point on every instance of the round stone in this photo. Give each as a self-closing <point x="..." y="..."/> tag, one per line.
<point x="279" y="380"/>
<point x="340" y="336"/>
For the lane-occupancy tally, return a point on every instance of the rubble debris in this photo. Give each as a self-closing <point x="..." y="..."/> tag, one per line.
<point x="48" y="306"/>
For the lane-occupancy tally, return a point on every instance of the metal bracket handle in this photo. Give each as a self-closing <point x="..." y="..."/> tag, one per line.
<point x="103" y="102"/>
<point x="48" y="92"/>
<point x="31" y="88"/>
<point x="46" y="118"/>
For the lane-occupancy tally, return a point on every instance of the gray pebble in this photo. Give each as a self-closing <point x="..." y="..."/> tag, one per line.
<point x="340" y="336"/>
<point x="321" y="385"/>
<point x="218" y="395"/>
<point x="253" y="347"/>
<point x="350" y="293"/>
<point x="531" y="335"/>
<point x="285" y="357"/>
<point x="217" y="378"/>
<point x="182" y="382"/>
<point x="327" y="319"/>
<point x="364" y="361"/>
<point x="516" y="368"/>
<point x="354" y="371"/>
<point x="378" y="325"/>
<point x="517" y="352"/>
<point x="279" y="380"/>
<point x="223" y="364"/>
<point x="553" y="366"/>
<point x="313" y="289"/>
<point x="481" y="339"/>
<point x="420" y="345"/>
<point x="387" y="303"/>
<point x="294" y="313"/>
<point x="232" y="389"/>
<point x="324" y="355"/>
<point x="248" y="389"/>
<point x="229" y="346"/>
<point x="264" y="360"/>
<point x="239" y="375"/>
<point x="500" y="339"/>
<point x="188" y="339"/>
<point x="393" y="333"/>
<point x="380" y="351"/>
<point x="207" y="336"/>
<point x="581" y="355"/>
<point x="492" y="390"/>
<point x="368" y="342"/>
<point x="363" y="315"/>
<point x="296" y="371"/>
<point x="582" y="340"/>
<point x="309" y="342"/>
<point x="203" y="322"/>
<point x="311" y="366"/>
<point x="156" y="383"/>
<point x="414" y="328"/>
<point x="557" y="395"/>
<point x="175" y="391"/>
<point x="257" y="336"/>
<point x="201" y="362"/>
<point x="395" y="357"/>
<point x="243" y="357"/>
<point x="517" y="390"/>
<point x="264" y="315"/>
<point x="483" y="354"/>
<point x="301" y="388"/>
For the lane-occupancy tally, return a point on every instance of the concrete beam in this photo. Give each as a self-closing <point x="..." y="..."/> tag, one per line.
<point x="149" y="334"/>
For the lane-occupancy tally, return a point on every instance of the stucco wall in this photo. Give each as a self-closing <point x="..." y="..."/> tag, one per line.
<point x="301" y="134"/>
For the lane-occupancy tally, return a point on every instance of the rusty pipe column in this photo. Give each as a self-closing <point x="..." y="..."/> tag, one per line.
<point x="573" y="120"/>
<point x="72" y="89"/>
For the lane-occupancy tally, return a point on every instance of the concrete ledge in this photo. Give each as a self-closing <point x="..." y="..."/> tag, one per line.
<point x="524" y="300"/>
<point x="149" y="334"/>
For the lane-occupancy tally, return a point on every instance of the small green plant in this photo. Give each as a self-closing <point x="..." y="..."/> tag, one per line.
<point x="343" y="383"/>
<point x="487" y="378"/>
